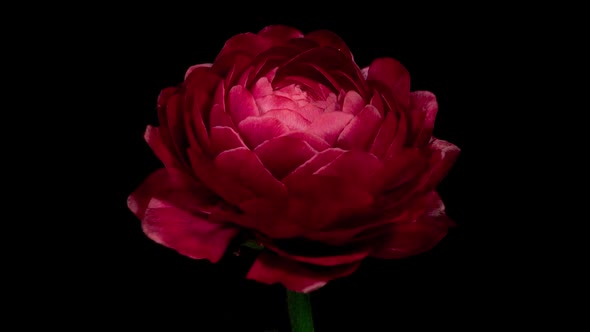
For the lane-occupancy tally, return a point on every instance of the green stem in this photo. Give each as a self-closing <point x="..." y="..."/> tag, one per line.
<point x="300" y="312"/>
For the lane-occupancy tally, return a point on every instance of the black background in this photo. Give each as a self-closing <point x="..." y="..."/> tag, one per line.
<point x="138" y="282"/>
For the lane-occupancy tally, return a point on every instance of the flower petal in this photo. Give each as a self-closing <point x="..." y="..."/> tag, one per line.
<point x="248" y="44"/>
<point x="261" y="88"/>
<point x="192" y="68"/>
<point x="176" y="188"/>
<point x="282" y="155"/>
<point x="230" y="190"/>
<point x="199" y="87"/>
<point x="316" y="162"/>
<point x="335" y="259"/>
<point x="353" y="102"/>
<point x="411" y="238"/>
<point x="293" y="120"/>
<point x="318" y="64"/>
<point x="241" y="104"/>
<point x="219" y="95"/>
<point x="273" y="102"/>
<point x="315" y="142"/>
<point x="328" y="126"/>
<point x="219" y="118"/>
<point x="298" y="277"/>
<point x="317" y="201"/>
<point x="224" y="138"/>
<point x="245" y="167"/>
<point x="138" y="201"/>
<point x="423" y="109"/>
<point x="361" y="130"/>
<point x="256" y="130"/>
<point x="407" y="164"/>
<point x="385" y="136"/>
<point x="393" y="76"/>
<point x="443" y="157"/>
<point x="154" y="139"/>
<point x="329" y="39"/>
<point x="358" y="167"/>
<point x="278" y="33"/>
<point x="190" y="235"/>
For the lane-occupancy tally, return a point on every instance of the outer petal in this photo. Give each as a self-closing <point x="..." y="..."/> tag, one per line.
<point x="444" y="155"/>
<point x="278" y="33"/>
<point x="245" y="44"/>
<point x="192" y="68"/>
<point x="330" y="39"/>
<point x="423" y="109"/>
<point x="270" y="269"/>
<point x="343" y="256"/>
<point x="392" y="75"/>
<point x="174" y="187"/>
<point x="190" y="235"/>
<point x="407" y="239"/>
<point x="154" y="139"/>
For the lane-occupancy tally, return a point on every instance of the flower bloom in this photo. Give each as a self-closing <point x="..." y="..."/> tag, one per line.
<point x="284" y="138"/>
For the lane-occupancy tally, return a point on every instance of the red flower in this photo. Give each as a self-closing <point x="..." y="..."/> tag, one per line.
<point x="284" y="137"/>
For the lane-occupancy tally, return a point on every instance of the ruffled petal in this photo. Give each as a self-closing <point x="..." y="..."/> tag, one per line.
<point x="284" y="154"/>
<point x="271" y="269"/>
<point x="191" y="235"/>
